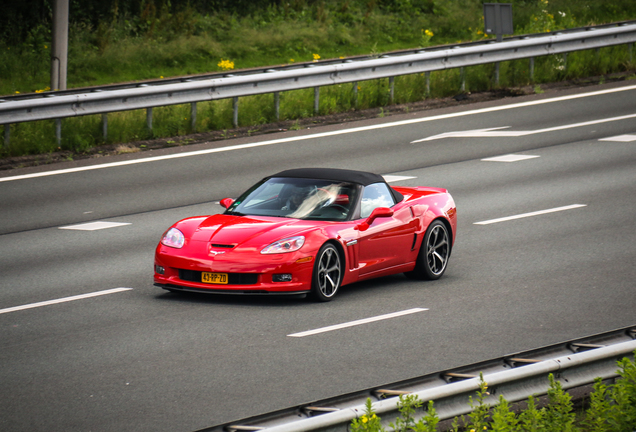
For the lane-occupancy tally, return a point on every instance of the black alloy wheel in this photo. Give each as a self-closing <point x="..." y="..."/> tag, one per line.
<point x="327" y="273"/>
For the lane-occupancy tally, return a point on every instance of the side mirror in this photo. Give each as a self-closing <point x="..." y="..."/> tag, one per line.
<point x="226" y="202"/>
<point x="376" y="213"/>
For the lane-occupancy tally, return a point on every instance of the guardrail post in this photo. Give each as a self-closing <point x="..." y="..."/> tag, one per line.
<point x="428" y="83"/>
<point x="7" y="133"/>
<point x="277" y="105"/>
<point x="149" y="120"/>
<point x="105" y="126"/>
<point x="565" y="62"/>
<point x="462" y="75"/>
<point x="316" y="100"/>
<point x="497" y="73"/>
<point x="630" y="48"/>
<point x="531" y="69"/>
<point x="58" y="132"/>
<point x="193" y="117"/>
<point x="355" y="94"/>
<point x="235" y="111"/>
<point x="391" y="90"/>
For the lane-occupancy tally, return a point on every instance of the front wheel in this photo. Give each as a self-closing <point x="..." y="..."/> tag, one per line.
<point x="327" y="273"/>
<point x="434" y="253"/>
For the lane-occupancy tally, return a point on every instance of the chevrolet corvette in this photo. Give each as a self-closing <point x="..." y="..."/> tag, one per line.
<point x="310" y="231"/>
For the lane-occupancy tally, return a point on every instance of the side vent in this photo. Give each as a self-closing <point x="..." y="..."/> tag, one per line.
<point x="414" y="241"/>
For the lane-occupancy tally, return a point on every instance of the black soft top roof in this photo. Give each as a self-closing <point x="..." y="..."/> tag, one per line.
<point x="343" y="175"/>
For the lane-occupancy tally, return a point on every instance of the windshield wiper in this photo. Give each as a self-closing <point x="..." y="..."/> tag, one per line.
<point x="234" y="213"/>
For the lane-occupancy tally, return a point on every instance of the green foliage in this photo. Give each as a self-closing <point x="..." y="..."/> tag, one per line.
<point x="623" y="412"/>
<point x="131" y="40"/>
<point x="596" y="414"/>
<point x="369" y="422"/>
<point x="407" y="406"/>
<point x="503" y="420"/>
<point x="531" y="419"/>
<point x="611" y="409"/>
<point x="558" y="415"/>
<point x="479" y="417"/>
<point x="430" y="420"/>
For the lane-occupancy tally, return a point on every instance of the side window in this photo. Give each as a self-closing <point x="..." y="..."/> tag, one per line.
<point x="374" y="196"/>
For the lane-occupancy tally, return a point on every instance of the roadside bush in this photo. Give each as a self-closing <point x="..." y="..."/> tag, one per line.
<point x="610" y="409"/>
<point x="129" y="41"/>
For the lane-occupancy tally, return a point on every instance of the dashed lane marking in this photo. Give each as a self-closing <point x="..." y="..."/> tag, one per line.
<point x="525" y="215"/>
<point x="394" y="178"/>
<point x="357" y="322"/>
<point x="92" y="226"/>
<point x="620" y="138"/>
<point x="509" y="158"/>
<point x="63" y="300"/>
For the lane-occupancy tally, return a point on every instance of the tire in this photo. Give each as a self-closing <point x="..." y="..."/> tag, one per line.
<point x="327" y="273"/>
<point x="432" y="259"/>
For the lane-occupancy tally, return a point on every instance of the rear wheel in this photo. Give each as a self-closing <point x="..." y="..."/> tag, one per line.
<point x="434" y="253"/>
<point x="327" y="273"/>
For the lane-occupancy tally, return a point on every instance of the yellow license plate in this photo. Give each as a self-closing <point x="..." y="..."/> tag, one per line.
<point x="214" y="278"/>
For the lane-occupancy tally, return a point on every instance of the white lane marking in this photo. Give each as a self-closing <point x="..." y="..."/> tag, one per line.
<point x="620" y="138"/>
<point x="395" y="178"/>
<point x="92" y="226"/>
<point x="525" y="215"/>
<point x="63" y="300"/>
<point x="320" y="135"/>
<point x="509" y="158"/>
<point x="357" y="322"/>
<point x="481" y="133"/>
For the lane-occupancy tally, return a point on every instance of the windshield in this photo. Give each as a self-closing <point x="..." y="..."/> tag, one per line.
<point x="297" y="198"/>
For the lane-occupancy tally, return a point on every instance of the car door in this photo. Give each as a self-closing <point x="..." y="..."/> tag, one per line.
<point x="387" y="240"/>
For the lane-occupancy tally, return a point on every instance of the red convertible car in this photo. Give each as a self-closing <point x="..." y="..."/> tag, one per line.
<point x="310" y="230"/>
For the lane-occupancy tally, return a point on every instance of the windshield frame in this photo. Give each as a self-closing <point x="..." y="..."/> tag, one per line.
<point x="323" y="200"/>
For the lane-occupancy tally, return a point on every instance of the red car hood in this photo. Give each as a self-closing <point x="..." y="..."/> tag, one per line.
<point x="245" y="230"/>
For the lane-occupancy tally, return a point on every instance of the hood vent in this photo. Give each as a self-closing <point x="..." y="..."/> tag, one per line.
<point x="224" y="246"/>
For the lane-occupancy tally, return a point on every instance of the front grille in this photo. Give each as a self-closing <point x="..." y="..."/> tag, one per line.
<point x="233" y="278"/>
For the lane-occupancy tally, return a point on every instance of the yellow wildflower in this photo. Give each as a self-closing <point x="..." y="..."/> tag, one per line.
<point x="428" y="33"/>
<point x="226" y="64"/>
<point x="316" y="57"/>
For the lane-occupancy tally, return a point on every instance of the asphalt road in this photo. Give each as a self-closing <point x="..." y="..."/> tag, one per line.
<point x="141" y="359"/>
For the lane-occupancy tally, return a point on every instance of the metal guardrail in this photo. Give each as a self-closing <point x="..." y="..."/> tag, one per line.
<point x="516" y="376"/>
<point x="57" y="105"/>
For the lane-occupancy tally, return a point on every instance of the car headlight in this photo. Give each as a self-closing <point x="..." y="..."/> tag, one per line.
<point x="290" y="244"/>
<point x="173" y="238"/>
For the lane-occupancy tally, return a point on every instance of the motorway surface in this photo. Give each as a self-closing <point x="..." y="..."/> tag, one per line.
<point x="88" y="344"/>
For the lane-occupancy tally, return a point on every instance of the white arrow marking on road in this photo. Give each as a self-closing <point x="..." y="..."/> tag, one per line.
<point x="496" y="132"/>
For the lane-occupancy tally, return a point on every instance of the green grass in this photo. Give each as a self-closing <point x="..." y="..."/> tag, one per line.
<point x="189" y="42"/>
